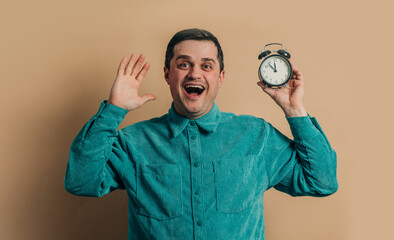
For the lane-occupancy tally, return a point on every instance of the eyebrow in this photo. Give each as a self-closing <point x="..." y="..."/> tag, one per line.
<point x="187" y="57"/>
<point x="209" y="59"/>
<point x="183" y="56"/>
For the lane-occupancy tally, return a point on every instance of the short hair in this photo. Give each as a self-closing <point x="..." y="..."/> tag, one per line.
<point x="192" y="34"/>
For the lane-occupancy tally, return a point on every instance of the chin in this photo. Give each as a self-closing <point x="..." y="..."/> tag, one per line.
<point x="194" y="110"/>
<point x="191" y="110"/>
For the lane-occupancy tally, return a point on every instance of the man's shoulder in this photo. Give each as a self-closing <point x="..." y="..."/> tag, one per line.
<point x="233" y="116"/>
<point x="229" y="117"/>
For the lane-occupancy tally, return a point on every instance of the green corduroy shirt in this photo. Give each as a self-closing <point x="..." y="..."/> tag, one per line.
<point x="198" y="179"/>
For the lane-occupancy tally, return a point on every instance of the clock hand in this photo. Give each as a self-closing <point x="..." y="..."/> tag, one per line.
<point x="275" y="67"/>
<point x="272" y="67"/>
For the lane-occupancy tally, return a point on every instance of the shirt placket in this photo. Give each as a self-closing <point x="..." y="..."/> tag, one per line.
<point x="196" y="181"/>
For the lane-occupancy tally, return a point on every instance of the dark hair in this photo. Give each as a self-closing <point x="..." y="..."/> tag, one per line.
<point x="192" y="34"/>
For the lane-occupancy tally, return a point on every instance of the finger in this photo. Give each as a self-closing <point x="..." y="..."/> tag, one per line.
<point x="130" y="65"/>
<point x="266" y="89"/>
<point x="294" y="77"/>
<point x="143" y="72"/>
<point x="138" y="64"/>
<point x="122" y="65"/>
<point x="147" y="97"/>
<point x="292" y="64"/>
<point x="261" y="84"/>
<point x="297" y="74"/>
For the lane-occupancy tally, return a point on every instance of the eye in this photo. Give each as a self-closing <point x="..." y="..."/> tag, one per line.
<point x="183" y="65"/>
<point x="207" y="66"/>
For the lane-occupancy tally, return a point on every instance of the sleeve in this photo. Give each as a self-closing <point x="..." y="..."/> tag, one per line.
<point x="98" y="154"/>
<point x="305" y="166"/>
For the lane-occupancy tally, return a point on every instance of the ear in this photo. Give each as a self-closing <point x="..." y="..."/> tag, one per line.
<point x="166" y="75"/>
<point x="221" y="78"/>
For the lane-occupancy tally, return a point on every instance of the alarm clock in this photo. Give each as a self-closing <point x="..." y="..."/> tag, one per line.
<point x="275" y="70"/>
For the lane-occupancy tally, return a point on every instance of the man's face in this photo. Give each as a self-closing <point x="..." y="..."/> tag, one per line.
<point x="194" y="77"/>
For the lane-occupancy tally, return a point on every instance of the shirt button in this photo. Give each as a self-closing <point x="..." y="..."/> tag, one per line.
<point x="196" y="164"/>
<point x="192" y="123"/>
<point x="194" y="137"/>
<point x="197" y="192"/>
<point x="199" y="223"/>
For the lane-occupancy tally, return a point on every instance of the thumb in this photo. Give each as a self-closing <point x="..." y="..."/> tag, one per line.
<point x="147" y="97"/>
<point x="266" y="89"/>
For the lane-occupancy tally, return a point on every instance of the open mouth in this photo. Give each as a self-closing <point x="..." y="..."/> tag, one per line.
<point x="193" y="89"/>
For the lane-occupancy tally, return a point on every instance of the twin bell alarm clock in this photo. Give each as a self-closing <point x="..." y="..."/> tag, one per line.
<point x="275" y="70"/>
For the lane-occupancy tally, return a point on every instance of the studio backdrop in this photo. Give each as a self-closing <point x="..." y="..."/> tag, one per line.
<point x="59" y="60"/>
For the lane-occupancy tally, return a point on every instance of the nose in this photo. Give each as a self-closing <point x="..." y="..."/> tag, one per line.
<point x="194" y="73"/>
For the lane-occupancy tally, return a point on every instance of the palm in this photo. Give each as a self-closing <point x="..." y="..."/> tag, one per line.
<point x="291" y="96"/>
<point x="124" y="92"/>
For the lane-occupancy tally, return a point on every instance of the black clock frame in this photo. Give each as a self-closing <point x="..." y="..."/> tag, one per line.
<point x="275" y="85"/>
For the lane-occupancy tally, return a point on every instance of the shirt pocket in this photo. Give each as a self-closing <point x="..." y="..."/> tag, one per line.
<point x="159" y="191"/>
<point x="236" y="183"/>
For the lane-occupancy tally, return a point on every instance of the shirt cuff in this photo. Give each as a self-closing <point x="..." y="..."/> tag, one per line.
<point x="302" y="127"/>
<point x="109" y="114"/>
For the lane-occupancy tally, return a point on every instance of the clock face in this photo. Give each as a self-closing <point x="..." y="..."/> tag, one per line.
<point x="275" y="70"/>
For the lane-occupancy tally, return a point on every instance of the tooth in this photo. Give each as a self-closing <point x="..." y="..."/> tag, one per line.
<point x="195" y="86"/>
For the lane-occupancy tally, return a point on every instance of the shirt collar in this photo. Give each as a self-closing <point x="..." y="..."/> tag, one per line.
<point x="207" y="122"/>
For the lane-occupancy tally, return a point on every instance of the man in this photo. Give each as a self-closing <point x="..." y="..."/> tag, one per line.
<point x="197" y="172"/>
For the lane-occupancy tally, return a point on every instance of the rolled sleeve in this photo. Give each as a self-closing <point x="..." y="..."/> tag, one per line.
<point x="110" y="114"/>
<point x="302" y="127"/>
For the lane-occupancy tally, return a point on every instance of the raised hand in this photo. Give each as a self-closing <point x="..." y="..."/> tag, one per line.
<point x="124" y="91"/>
<point x="289" y="99"/>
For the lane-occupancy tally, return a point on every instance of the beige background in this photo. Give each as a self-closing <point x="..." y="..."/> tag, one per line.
<point x="59" y="58"/>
